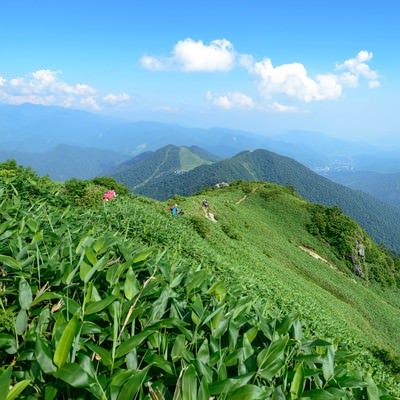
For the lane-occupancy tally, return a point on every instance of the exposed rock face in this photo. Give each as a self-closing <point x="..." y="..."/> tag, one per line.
<point x="357" y="258"/>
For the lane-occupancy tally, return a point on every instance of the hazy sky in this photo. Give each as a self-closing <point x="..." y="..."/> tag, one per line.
<point x="259" y="65"/>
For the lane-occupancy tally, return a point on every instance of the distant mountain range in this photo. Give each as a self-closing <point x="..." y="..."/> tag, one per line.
<point x="31" y="128"/>
<point x="380" y="220"/>
<point x="65" y="161"/>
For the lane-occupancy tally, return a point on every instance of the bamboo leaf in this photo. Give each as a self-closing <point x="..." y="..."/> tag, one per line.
<point x="97" y="306"/>
<point x="178" y="348"/>
<point x="25" y="294"/>
<point x="189" y="384"/>
<point x="21" y="322"/>
<point x="17" y="389"/>
<point x="64" y="345"/>
<point x="297" y="386"/>
<point x="252" y="392"/>
<point x="5" y="379"/>
<point x="133" y="384"/>
<point x="203" y="393"/>
<point x="44" y="356"/>
<point x="130" y="285"/>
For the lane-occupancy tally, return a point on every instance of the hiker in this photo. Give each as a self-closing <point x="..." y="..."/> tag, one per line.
<point x="174" y="209"/>
<point x="205" y="204"/>
<point x="109" y="195"/>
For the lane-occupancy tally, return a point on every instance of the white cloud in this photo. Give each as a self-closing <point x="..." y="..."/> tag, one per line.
<point x="153" y="63"/>
<point x="195" y="56"/>
<point x="2" y="81"/>
<point x="282" y="108"/>
<point x="293" y="80"/>
<point x="231" y="100"/>
<point x="112" y="98"/>
<point x="356" y="68"/>
<point x="46" y="88"/>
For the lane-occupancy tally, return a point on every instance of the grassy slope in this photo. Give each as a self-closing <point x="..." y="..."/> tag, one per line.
<point x="267" y="261"/>
<point x="190" y="160"/>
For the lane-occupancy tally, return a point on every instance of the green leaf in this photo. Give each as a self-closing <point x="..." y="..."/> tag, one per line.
<point x="134" y="341"/>
<point x="10" y="262"/>
<point x="141" y="256"/>
<point x="372" y="389"/>
<point x="297" y="386"/>
<point x="130" y="285"/>
<point x="328" y="363"/>
<point x="133" y="384"/>
<point x="5" y="379"/>
<point x="8" y="343"/>
<point x="160" y="362"/>
<point x="90" y="255"/>
<point x="178" y="347"/>
<point x="103" y="353"/>
<point x="97" y="306"/>
<point x="189" y="384"/>
<point x="25" y="294"/>
<point x="271" y="360"/>
<point x="203" y="393"/>
<point x="252" y="392"/>
<point x="17" y="389"/>
<point x="74" y="375"/>
<point x="226" y="385"/>
<point x="318" y="394"/>
<point x="203" y="353"/>
<point x="44" y="356"/>
<point x="101" y="263"/>
<point x="278" y="394"/>
<point x="64" y="345"/>
<point x="21" y="322"/>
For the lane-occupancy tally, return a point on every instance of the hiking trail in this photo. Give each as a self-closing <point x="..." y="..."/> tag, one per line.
<point x="245" y="196"/>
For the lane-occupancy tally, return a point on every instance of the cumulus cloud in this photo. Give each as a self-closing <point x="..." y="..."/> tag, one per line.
<point x="282" y="108"/>
<point x="112" y="98"/>
<point x="194" y="56"/>
<point x="231" y="100"/>
<point x="46" y="88"/>
<point x="356" y="68"/>
<point x="293" y="80"/>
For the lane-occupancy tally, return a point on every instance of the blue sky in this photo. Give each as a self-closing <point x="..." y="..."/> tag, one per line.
<point x="263" y="66"/>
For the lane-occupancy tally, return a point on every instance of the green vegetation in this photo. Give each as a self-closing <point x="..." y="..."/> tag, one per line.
<point x="380" y="220"/>
<point x="159" y="165"/>
<point x="121" y="300"/>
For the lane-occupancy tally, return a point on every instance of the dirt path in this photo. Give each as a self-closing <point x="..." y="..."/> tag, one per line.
<point x="210" y="216"/>
<point x="316" y="256"/>
<point x="245" y="196"/>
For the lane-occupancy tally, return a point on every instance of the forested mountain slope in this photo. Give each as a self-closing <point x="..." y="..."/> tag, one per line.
<point x="380" y="220"/>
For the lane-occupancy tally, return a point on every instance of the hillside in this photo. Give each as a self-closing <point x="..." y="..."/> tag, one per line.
<point x="385" y="187"/>
<point x="162" y="164"/>
<point x="380" y="220"/>
<point x="186" y="302"/>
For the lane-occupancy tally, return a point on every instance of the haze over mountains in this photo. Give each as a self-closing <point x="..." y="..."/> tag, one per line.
<point x="28" y="129"/>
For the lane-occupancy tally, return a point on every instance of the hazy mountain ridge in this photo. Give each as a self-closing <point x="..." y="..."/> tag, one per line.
<point x="66" y="161"/>
<point x="159" y="165"/>
<point x="380" y="220"/>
